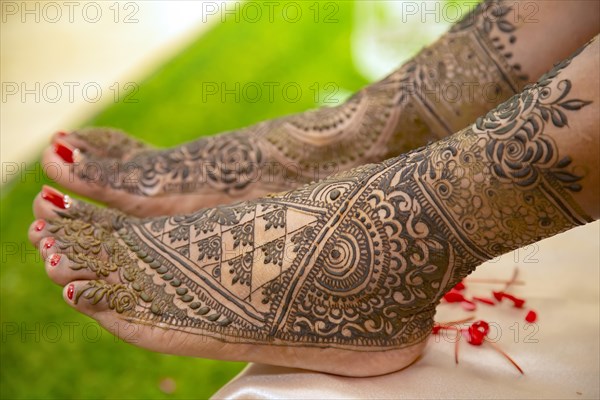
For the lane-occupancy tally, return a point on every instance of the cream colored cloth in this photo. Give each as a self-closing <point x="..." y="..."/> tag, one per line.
<point x="560" y="358"/>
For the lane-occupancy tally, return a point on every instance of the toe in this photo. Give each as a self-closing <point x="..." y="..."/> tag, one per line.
<point x="50" y="203"/>
<point x="37" y="231"/>
<point x="65" y="164"/>
<point x="47" y="246"/>
<point x="76" y="294"/>
<point x="100" y="299"/>
<point x="78" y="141"/>
<point x="62" y="270"/>
<point x="74" y="249"/>
<point x="102" y="142"/>
<point x="107" y="180"/>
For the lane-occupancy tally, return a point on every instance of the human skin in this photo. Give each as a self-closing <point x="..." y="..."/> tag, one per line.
<point x="482" y="61"/>
<point x="340" y="276"/>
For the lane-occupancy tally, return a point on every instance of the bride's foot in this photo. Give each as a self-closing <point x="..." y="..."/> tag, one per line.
<point x="340" y="276"/>
<point x="445" y="87"/>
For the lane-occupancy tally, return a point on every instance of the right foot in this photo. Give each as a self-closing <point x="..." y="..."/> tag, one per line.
<point x="417" y="104"/>
<point x="341" y="276"/>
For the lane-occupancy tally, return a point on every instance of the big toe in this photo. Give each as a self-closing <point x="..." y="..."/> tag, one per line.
<point x="51" y="204"/>
<point x="111" y="181"/>
<point x="101" y="142"/>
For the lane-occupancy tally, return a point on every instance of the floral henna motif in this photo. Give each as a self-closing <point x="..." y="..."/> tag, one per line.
<point x="274" y="252"/>
<point x="119" y="297"/>
<point x="517" y="146"/>
<point x="243" y="234"/>
<point x="232" y="164"/>
<point x="210" y="248"/>
<point x="84" y="245"/>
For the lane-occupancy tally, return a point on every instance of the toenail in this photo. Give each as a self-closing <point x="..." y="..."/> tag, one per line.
<point x="70" y="291"/>
<point x="66" y="152"/>
<point x="54" y="259"/>
<point x="40" y="225"/>
<point x="49" y="243"/>
<point x="55" y="197"/>
<point x="61" y="134"/>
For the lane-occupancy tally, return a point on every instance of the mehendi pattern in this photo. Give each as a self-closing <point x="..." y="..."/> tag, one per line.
<point x="357" y="261"/>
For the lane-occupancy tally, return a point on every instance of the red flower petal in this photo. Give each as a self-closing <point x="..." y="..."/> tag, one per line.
<point x="477" y="332"/>
<point x="517" y="302"/>
<point x="531" y="316"/>
<point x="453" y="297"/>
<point x="498" y="295"/>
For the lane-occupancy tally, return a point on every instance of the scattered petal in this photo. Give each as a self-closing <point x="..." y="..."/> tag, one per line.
<point x="531" y="316"/>
<point x="485" y="300"/>
<point x="477" y="332"/>
<point x="454" y="297"/>
<point x="517" y="302"/>
<point x="498" y="295"/>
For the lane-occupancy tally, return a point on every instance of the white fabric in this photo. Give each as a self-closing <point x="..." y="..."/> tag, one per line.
<point x="562" y="286"/>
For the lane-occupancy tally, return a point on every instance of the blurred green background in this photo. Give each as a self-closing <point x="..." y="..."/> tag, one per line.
<point x="50" y="351"/>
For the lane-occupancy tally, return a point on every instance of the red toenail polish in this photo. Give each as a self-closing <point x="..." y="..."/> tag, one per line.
<point x="61" y="133"/>
<point x="55" y="197"/>
<point x="66" y="152"/>
<point x="70" y="291"/>
<point x="54" y="259"/>
<point x="40" y="225"/>
<point x="49" y="242"/>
